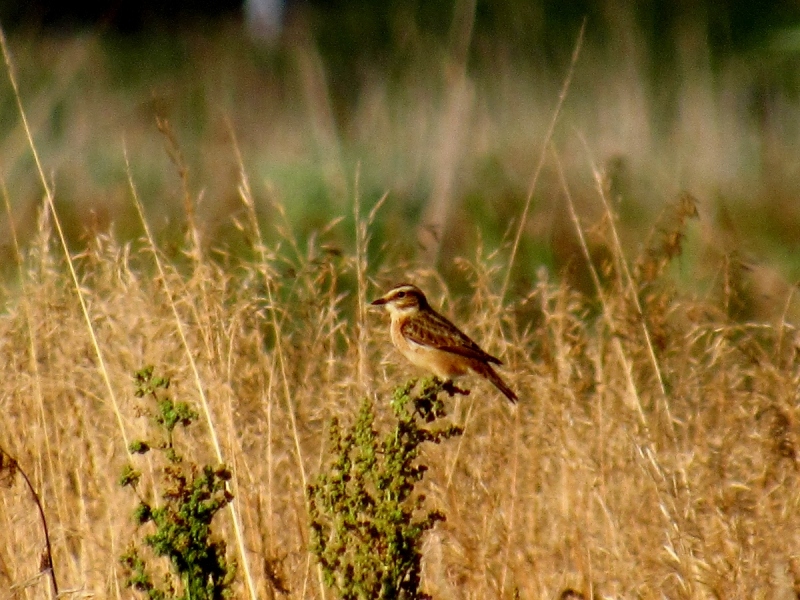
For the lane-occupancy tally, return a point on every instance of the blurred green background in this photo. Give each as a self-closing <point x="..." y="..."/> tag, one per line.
<point x="444" y="106"/>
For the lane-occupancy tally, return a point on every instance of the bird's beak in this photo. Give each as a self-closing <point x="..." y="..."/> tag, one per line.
<point x="378" y="302"/>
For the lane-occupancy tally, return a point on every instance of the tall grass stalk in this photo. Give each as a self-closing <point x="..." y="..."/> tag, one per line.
<point x="189" y="356"/>
<point x="622" y="263"/>
<point x="245" y="195"/>
<point x="523" y="219"/>
<point x="52" y="208"/>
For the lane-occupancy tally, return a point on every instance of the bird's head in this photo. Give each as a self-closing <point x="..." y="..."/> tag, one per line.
<point x="403" y="299"/>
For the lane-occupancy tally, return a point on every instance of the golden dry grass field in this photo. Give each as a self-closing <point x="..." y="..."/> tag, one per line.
<point x="653" y="452"/>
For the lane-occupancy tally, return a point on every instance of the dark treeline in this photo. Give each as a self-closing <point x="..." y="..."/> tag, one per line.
<point x="732" y="24"/>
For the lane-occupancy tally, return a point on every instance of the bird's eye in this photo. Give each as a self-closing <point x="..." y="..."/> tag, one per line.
<point x="401" y="294"/>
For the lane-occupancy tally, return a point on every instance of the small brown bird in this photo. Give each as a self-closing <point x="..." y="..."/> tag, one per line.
<point x="429" y="340"/>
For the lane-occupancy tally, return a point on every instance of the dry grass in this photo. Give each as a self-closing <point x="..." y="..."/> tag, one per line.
<point x="654" y="451"/>
<point x="602" y="480"/>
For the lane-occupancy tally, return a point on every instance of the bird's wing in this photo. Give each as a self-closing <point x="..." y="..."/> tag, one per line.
<point x="436" y="331"/>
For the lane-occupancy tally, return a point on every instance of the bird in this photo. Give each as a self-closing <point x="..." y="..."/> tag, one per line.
<point x="431" y="341"/>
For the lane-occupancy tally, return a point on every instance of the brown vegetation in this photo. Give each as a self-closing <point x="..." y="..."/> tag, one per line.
<point x="653" y="453"/>
<point x="654" y="449"/>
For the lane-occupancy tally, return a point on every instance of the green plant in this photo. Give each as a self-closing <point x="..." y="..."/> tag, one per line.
<point x="367" y="520"/>
<point x="191" y="497"/>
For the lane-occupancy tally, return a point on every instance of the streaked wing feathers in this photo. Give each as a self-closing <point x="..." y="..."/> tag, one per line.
<point x="432" y="329"/>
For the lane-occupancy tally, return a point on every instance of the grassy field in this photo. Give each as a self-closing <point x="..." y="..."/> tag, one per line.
<point x="653" y="452"/>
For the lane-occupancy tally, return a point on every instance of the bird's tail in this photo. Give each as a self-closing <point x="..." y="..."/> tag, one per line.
<point x="490" y="374"/>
